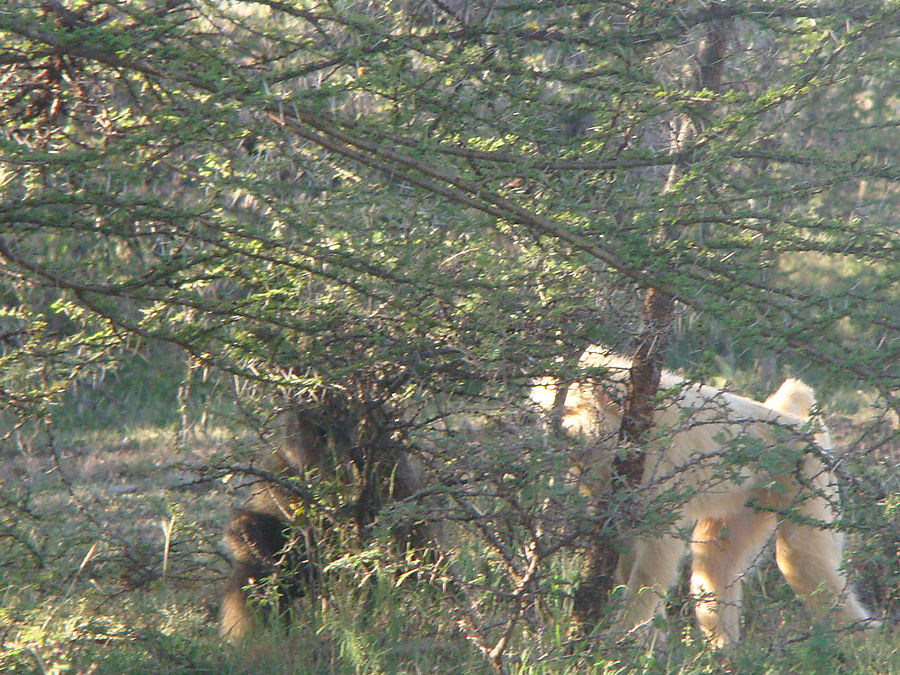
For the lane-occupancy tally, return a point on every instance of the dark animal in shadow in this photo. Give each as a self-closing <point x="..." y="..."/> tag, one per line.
<point x="269" y="549"/>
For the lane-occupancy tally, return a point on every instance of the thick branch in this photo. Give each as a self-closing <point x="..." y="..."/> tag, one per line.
<point x="658" y="312"/>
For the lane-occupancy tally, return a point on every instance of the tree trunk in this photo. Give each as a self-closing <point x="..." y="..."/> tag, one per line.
<point x="602" y="558"/>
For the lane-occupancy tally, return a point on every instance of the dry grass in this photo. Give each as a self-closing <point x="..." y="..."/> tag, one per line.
<point x="89" y="584"/>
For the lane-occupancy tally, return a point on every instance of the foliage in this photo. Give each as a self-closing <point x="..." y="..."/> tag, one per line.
<point x="420" y="206"/>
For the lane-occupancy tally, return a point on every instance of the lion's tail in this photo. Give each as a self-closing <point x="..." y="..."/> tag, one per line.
<point x="794" y="398"/>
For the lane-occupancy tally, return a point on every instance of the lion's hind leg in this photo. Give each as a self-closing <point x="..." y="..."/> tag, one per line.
<point x="722" y="550"/>
<point x="809" y="557"/>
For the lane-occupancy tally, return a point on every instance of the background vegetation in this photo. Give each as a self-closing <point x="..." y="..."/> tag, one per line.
<point x="420" y="205"/>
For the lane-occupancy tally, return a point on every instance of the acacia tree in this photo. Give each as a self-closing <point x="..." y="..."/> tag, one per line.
<point x="422" y="205"/>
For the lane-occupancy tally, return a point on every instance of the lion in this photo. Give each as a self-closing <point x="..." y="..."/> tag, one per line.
<point x="711" y="447"/>
<point x="270" y="544"/>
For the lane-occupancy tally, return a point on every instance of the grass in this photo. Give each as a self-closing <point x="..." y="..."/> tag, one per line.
<point x="111" y="561"/>
<point x="88" y="585"/>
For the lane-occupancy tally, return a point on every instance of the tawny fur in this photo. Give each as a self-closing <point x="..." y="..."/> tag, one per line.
<point x="733" y="514"/>
<point x="260" y="544"/>
<point x="264" y="538"/>
<point x="260" y="539"/>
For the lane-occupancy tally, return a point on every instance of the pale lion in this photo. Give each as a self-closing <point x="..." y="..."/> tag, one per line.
<point x="713" y="444"/>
